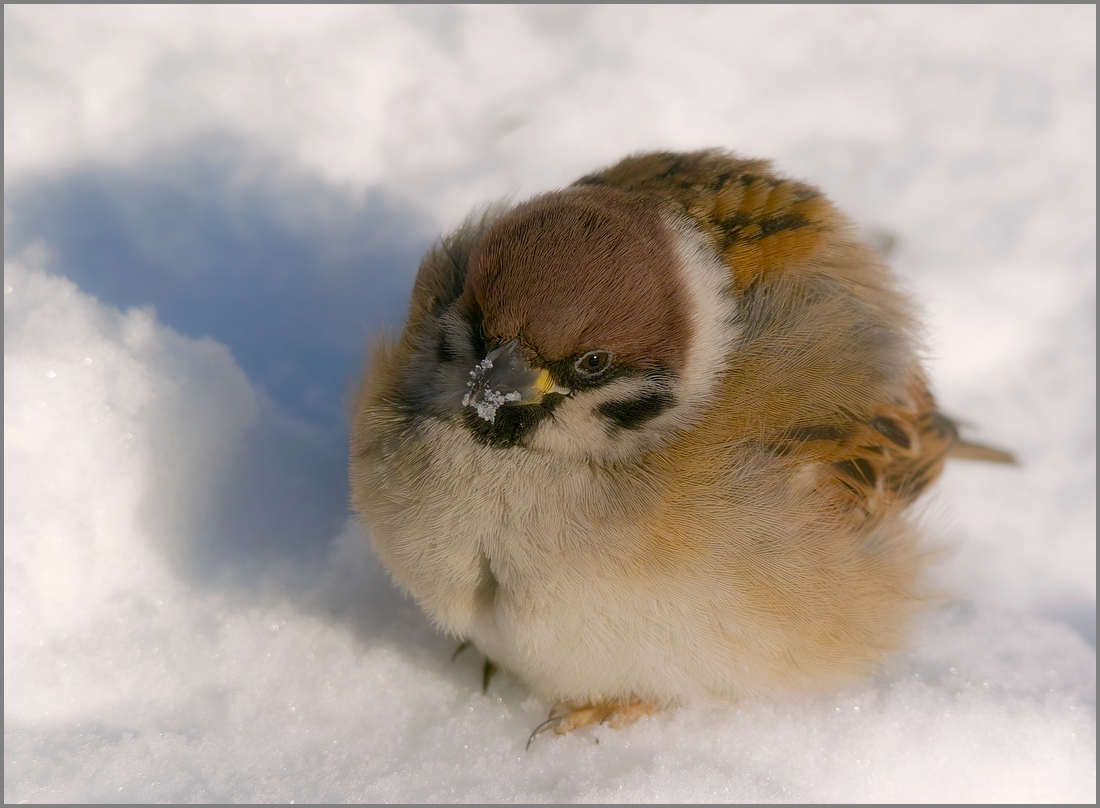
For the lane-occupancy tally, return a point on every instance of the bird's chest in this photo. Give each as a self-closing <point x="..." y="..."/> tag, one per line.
<point x="530" y="514"/>
<point x="523" y="552"/>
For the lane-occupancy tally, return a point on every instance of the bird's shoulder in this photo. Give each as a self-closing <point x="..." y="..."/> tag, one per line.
<point x="756" y="219"/>
<point x="825" y="376"/>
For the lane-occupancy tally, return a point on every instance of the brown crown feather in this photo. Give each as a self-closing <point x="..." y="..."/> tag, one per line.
<point x="578" y="270"/>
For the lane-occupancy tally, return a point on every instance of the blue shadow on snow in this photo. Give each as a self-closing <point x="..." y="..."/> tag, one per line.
<point x="291" y="274"/>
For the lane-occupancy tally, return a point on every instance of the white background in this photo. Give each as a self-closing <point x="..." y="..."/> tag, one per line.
<point x="209" y="210"/>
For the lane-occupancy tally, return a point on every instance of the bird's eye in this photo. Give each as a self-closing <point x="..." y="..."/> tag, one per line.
<point x="593" y="363"/>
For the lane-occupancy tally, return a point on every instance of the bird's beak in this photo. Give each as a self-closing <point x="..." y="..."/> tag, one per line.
<point x="504" y="377"/>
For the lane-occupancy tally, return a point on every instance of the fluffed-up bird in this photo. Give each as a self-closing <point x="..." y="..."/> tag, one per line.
<point x="649" y="440"/>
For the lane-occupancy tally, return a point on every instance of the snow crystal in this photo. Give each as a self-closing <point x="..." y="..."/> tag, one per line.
<point x="490" y="401"/>
<point x="483" y="398"/>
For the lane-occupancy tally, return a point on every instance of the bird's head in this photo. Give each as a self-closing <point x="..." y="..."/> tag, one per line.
<point x="586" y="321"/>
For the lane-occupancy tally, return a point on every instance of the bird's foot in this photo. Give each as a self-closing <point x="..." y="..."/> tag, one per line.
<point x="568" y="716"/>
<point x="487" y="674"/>
<point x="487" y="671"/>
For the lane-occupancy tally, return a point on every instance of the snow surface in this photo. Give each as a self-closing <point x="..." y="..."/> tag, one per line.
<point x="208" y="210"/>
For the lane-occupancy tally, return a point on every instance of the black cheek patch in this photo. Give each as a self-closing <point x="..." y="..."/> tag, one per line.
<point x="635" y="412"/>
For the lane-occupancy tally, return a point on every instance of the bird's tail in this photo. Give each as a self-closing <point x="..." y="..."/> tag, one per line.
<point x="964" y="450"/>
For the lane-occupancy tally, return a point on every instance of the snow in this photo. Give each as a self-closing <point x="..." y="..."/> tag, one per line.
<point x="209" y="210"/>
<point x="484" y="399"/>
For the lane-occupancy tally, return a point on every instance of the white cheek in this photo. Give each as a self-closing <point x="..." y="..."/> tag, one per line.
<point x="714" y="308"/>
<point x="579" y="431"/>
<point x="575" y="431"/>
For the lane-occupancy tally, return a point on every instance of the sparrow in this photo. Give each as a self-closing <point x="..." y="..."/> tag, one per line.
<point x="650" y="441"/>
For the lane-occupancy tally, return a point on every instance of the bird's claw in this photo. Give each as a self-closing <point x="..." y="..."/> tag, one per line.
<point x="545" y="725"/>
<point x="614" y="713"/>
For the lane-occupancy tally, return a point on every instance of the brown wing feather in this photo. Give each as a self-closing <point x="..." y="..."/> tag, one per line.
<point x="757" y="221"/>
<point x="826" y="373"/>
<point x="897" y="453"/>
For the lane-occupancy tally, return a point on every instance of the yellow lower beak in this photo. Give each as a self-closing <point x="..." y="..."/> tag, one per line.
<point x="504" y="377"/>
<point x="544" y="383"/>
